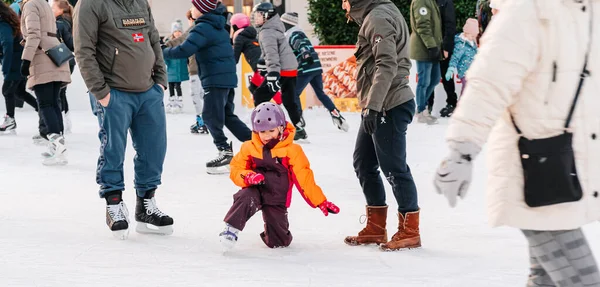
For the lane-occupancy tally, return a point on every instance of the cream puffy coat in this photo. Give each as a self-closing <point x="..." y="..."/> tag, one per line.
<point x="514" y="72"/>
<point x="37" y="21"/>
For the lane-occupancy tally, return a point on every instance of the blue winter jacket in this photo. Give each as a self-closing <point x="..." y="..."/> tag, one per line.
<point x="463" y="55"/>
<point x="177" y="70"/>
<point x="11" y="53"/>
<point x="211" y="44"/>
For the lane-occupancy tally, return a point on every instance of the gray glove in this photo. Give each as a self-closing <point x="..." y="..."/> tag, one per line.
<point x="453" y="176"/>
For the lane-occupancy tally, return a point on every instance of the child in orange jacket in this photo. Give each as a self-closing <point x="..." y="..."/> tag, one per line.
<point x="266" y="168"/>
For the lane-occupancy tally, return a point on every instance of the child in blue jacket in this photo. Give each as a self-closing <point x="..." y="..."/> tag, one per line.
<point x="177" y="73"/>
<point x="465" y="48"/>
<point x="210" y="42"/>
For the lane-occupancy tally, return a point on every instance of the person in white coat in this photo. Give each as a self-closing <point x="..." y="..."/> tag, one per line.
<point x="522" y="86"/>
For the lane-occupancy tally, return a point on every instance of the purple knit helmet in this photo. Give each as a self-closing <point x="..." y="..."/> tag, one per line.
<point x="267" y="116"/>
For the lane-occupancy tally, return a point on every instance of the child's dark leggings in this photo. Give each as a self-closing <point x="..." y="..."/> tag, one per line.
<point x="246" y="203"/>
<point x="175" y="86"/>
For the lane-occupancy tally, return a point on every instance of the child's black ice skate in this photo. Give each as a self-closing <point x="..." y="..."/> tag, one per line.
<point x="220" y="165"/>
<point x="117" y="215"/>
<point x="301" y="135"/>
<point x="447" y="111"/>
<point x="150" y="219"/>
<point x="199" y="127"/>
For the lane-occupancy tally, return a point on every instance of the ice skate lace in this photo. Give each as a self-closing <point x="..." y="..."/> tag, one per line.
<point x="222" y="155"/>
<point x="116" y="212"/>
<point x="151" y="207"/>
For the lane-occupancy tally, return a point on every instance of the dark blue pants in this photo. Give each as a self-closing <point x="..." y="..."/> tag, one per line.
<point x="386" y="149"/>
<point x="218" y="111"/>
<point x="316" y="82"/>
<point x="143" y="114"/>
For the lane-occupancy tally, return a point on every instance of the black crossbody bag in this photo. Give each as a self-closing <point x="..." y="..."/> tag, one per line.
<point x="549" y="172"/>
<point x="59" y="54"/>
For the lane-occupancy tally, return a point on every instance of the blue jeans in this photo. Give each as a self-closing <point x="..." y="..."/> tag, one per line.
<point x="386" y="149"/>
<point x="429" y="77"/>
<point x="143" y="114"/>
<point x="316" y="82"/>
<point x="218" y="111"/>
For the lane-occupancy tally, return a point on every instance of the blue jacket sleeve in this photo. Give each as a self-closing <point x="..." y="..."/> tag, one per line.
<point x="457" y="54"/>
<point x="6" y="40"/>
<point x="194" y="42"/>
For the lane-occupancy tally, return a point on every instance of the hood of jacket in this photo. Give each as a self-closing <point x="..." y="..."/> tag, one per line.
<point x="360" y="8"/>
<point x="214" y="18"/>
<point x="275" y="24"/>
<point x="288" y="138"/>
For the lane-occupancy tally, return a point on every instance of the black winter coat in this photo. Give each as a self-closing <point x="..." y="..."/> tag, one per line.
<point x="448" y="23"/>
<point x="246" y="43"/>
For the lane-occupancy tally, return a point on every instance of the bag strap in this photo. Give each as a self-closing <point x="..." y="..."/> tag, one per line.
<point x="584" y="74"/>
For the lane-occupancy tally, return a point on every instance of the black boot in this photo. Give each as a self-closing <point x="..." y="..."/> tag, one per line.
<point x="147" y="213"/>
<point x="117" y="215"/>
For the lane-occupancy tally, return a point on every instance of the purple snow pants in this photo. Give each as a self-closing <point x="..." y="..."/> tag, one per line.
<point x="246" y="203"/>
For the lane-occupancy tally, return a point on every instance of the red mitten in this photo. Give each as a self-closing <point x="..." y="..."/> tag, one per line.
<point x="253" y="178"/>
<point x="328" y="207"/>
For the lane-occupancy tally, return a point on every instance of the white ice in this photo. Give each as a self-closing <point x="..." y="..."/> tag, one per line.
<point x="53" y="231"/>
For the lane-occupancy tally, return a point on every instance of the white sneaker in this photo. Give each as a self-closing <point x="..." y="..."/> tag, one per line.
<point x="427" y="118"/>
<point x="57" y="151"/>
<point x="9" y="126"/>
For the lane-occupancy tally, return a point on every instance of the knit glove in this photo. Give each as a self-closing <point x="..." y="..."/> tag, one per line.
<point x="328" y="207"/>
<point x="450" y="73"/>
<point x="273" y="82"/>
<point x="453" y="176"/>
<point x="369" y="120"/>
<point x="253" y="178"/>
<point x="25" y="68"/>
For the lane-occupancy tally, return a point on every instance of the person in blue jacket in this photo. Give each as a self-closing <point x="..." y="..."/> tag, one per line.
<point x="14" y="82"/>
<point x="210" y="42"/>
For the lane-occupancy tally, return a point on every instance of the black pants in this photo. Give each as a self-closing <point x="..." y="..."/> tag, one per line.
<point x="288" y="94"/>
<point x="175" y="86"/>
<point x="218" y="111"/>
<point x="386" y="149"/>
<point x="64" y="104"/>
<point x="451" y="98"/>
<point x="13" y="90"/>
<point x="48" y="96"/>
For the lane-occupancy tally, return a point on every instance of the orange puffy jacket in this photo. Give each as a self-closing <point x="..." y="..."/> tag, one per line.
<point x="287" y="156"/>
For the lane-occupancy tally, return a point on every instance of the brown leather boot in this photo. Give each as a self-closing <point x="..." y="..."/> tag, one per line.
<point x="374" y="232"/>
<point x="407" y="236"/>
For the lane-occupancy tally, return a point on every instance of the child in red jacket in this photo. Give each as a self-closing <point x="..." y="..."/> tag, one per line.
<point x="266" y="168"/>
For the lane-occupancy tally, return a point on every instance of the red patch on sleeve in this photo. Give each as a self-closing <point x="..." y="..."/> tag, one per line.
<point x="138" y="37"/>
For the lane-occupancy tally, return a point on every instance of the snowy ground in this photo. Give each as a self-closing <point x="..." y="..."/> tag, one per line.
<point x="53" y="230"/>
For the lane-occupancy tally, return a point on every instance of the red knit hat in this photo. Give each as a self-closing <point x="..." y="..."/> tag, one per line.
<point x="205" y="6"/>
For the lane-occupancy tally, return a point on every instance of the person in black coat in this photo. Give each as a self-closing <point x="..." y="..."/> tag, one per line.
<point x="245" y="40"/>
<point x="448" y="14"/>
<point x="63" y="11"/>
<point x="14" y="82"/>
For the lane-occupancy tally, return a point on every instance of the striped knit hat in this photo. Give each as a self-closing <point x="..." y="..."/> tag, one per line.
<point x="205" y="6"/>
<point x="290" y="18"/>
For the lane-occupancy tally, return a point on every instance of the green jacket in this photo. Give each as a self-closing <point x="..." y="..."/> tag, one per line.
<point x="426" y="23"/>
<point x="381" y="55"/>
<point x="117" y="46"/>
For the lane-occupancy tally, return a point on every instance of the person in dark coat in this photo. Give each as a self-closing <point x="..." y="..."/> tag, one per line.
<point x="245" y="40"/>
<point x="14" y="82"/>
<point x="266" y="168"/>
<point x="211" y="43"/>
<point x="448" y="15"/>
<point x="63" y="11"/>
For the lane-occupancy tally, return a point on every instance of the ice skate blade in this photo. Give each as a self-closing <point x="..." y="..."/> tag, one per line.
<point x="8" y="133"/>
<point x="55" y="161"/>
<point x="122" y="234"/>
<point x="226" y="245"/>
<point x="146" y="228"/>
<point x="218" y="170"/>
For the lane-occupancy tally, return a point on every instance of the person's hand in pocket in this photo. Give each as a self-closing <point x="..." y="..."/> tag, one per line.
<point x="104" y="102"/>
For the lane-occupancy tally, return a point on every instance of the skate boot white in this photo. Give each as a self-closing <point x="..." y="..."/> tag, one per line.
<point x="339" y="121"/>
<point x="228" y="237"/>
<point x="117" y="215"/>
<point x="150" y="220"/>
<point x="9" y="126"/>
<point x="220" y="165"/>
<point x="57" y="151"/>
<point x="179" y="105"/>
<point x="171" y="106"/>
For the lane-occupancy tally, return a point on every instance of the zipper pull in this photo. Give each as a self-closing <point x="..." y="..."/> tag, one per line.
<point x="116" y="51"/>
